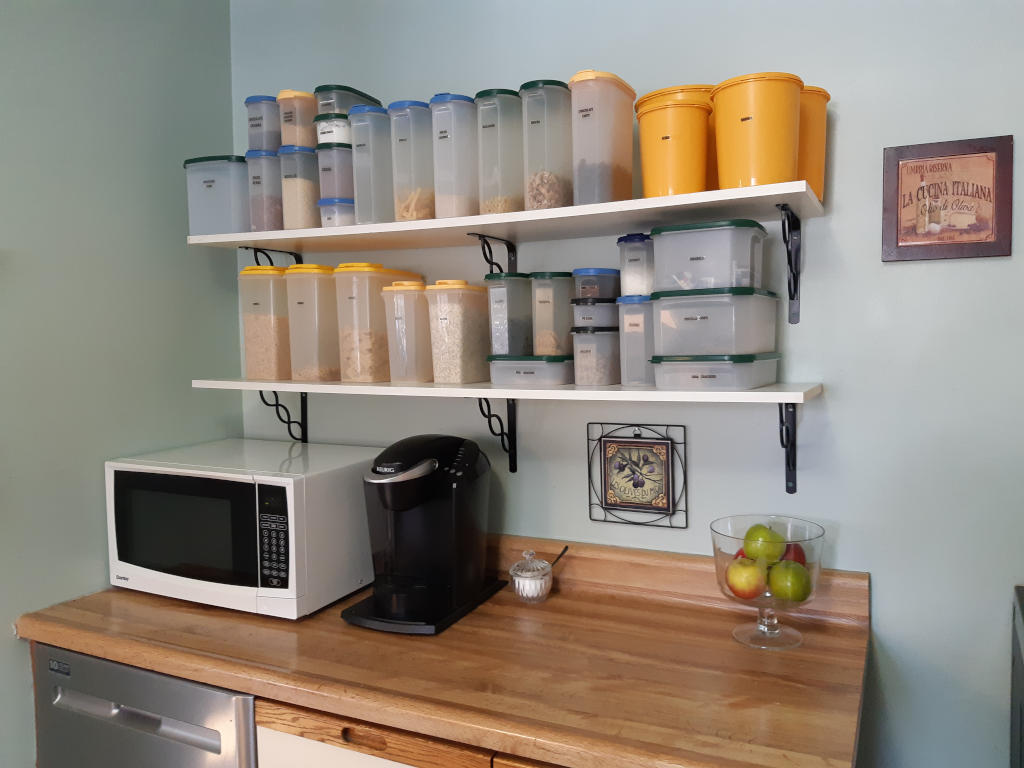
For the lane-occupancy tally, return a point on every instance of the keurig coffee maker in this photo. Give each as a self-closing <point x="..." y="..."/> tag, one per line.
<point x="427" y="502"/>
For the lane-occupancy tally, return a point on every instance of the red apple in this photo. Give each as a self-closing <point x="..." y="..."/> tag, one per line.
<point x="739" y="554"/>
<point x="795" y="553"/>
<point x="746" y="578"/>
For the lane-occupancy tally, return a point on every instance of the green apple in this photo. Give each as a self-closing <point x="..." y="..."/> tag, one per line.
<point x="788" y="580"/>
<point x="762" y="541"/>
<point x="746" y="578"/>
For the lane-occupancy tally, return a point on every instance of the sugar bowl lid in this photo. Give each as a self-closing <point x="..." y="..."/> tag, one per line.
<point x="530" y="567"/>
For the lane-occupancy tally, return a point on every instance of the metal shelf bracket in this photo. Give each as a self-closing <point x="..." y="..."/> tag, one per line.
<point x="507" y="437"/>
<point x="488" y="253"/>
<point x="298" y="429"/>
<point x="266" y="254"/>
<point x="787" y="437"/>
<point x="791" y="237"/>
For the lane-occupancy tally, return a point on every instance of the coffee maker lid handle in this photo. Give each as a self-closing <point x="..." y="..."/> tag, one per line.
<point x="422" y="469"/>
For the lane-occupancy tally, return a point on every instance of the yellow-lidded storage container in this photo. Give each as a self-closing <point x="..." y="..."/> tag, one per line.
<point x="811" y="161"/>
<point x="700" y="92"/>
<point x="673" y="141"/>
<point x="408" y="321"/>
<point x="297" y="108"/>
<point x="458" y="331"/>
<point x="757" y="128"/>
<point x="312" y="323"/>
<point x="264" y="299"/>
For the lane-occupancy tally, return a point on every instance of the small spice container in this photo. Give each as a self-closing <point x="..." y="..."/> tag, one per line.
<point x="362" y="323"/>
<point x="332" y="128"/>
<point x="335" y="163"/>
<point x="264" y="118"/>
<point x="547" y="143"/>
<point x="602" y="137"/>
<point x="412" y="160"/>
<point x="298" y="109"/>
<point x="300" y="187"/>
<point x="218" y="194"/>
<point x="340" y="98"/>
<point x="714" y="321"/>
<point x="408" y="323"/>
<point x="596" y="283"/>
<point x="458" y="331"/>
<point x="602" y="312"/>
<point x="337" y="211"/>
<point x="456" y="178"/>
<point x="715" y="371"/>
<point x="371" y="164"/>
<point x="264" y="299"/>
<point x="312" y="323"/>
<point x="595" y="353"/>
<point x="499" y="119"/>
<point x="531" y="578"/>
<point x="636" y="340"/>
<point x="510" y="308"/>
<point x="712" y="254"/>
<point x="636" y="264"/>
<point x="264" y="190"/>
<point x="530" y="370"/>
<point x="552" y="312"/>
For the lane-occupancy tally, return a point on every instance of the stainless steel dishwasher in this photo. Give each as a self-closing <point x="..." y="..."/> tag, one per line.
<point x="92" y="713"/>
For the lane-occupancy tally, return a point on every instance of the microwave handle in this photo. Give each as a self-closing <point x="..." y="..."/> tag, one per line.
<point x="422" y="469"/>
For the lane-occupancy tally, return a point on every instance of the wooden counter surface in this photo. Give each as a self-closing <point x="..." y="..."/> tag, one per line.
<point x="631" y="663"/>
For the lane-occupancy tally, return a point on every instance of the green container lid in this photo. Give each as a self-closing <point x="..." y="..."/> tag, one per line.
<point x="330" y="116"/>
<point x="549" y="275"/>
<point x="347" y="89"/>
<point x="708" y="225"/>
<point x="657" y="359"/>
<point x="507" y="276"/>
<point x="529" y="358"/>
<point x="213" y="159"/>
<point x="531" y="84"/>
<point x="496" y="92"/>
<point x="713" y="292"/>
<point x="333" y="145"/>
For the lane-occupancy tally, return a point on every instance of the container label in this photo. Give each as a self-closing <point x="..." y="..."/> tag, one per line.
<point x="208" y="183"/>
<point x="524" y="373"/>
<point x="487" y="125"/>
<point x="325" y="169"/>
<point x="442" y="134"/>
<point x="633" y="260"/>
<point x="588" y="318"/>
<point x="543" y="301"/>
<point x="256" y="121"/>
<point x="696" y="317"/>
<point x="288" y="116"/>
<point x="535" y="122"/>
<point x="361" y="146"/>
<point x="256" y="180"/>
<point x="635" y="324"/>
<point x="289" y="175"/>
<point x="585" y="351"/>
<point x="696" y="258"/>
<point x="585" y="112"/>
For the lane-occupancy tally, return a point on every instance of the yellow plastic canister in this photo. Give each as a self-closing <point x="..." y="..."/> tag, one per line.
<point x="673" y="141"/>
<point x="811" y="162"/>
<point x="757" y="128"/>
<point x="699" y="93"/>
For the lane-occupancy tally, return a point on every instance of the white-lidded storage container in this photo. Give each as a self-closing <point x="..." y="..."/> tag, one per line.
<point x="412" y="160"/>
<point x="264" y="170"/>
<point x="713" y="254"/>
<point x="297" y="109"/>
<point x="602" y="137"/>
<point x="371" y="164"/>
<point x="300" y="187"/>
<point x="456" y="178"/>
<point x="552" y="312"/>
<point x="340" y="98"/>
<point x="335" y="164"/>
<point x="547" y="144"/>
<point x="337" y="211"/>
<point x="332" y="128"/>
<point x="499" y="120"/>
<point x="636" y="264"/>
<point x="714" y="321"/>
<point x="312" y="323"/>
<point x="595" y="354"/>
<point x="263" y="295"/>
<point x="218" y="194"/>
<point x="458" y="331"/>
<point x="264" y="120"/>
<point x="530" y="370"/>
<point x="408" y="322"/>
<point x="510" y="309"/>
<point x="596" y="283"/>
<point x="716" y="371"/>
<point x="636" y="340"/>
<point x="587" y="312"/>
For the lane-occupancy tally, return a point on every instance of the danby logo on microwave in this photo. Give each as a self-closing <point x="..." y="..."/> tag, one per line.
<point x="119" y="577"/>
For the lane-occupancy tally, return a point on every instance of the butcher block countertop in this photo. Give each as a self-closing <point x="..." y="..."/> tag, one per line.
<point x="630" y="663"/>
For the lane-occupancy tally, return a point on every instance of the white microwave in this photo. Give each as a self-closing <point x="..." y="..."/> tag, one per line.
<point x="276" y="528"/>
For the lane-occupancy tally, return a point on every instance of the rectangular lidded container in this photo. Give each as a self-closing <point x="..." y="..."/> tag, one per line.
<point x="412" y="160"/>
<point x="595" y="353"/>
<point x="456" y="178"/>
<point x="332" y="128"/>
<point x="408" y="323"/>
<point x="297" y="109"/>
<point x="218" y="194"/>
<point x="510" y="309"/>
<point x="264" y="170"/>
<point x="547" y="144"/>
<point x="636" y="264"/>
<point x="714" y="321"/>
<point x="723" y="372"/>
<point x="712" y="254"/>
<point x="340" y="98"/>
<point x="336" y="211"/>
<point x="312" y="323"/>
<point x="596" y="283"/>
<point x="300" y="187"/>
<point x="335" y="165"/>
<point x="264" y="123"/>
<point x="636" y="340"/>
<point x="602" y="137"/>
<point x="530" y="370"/>
<point x="499" y="118"/>
<point x="458" y="331"/>
<point x="552" y="312"/>
<point x="371" y="164"/>
<point x="263" y="295"/>
<point x="589" y="312"/>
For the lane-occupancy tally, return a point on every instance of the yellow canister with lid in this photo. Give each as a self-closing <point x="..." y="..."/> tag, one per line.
<point x="297" y="108"/>
<point x="312" y="322"/>
<point x="459" y="332"/>
<point x="673" y="141"/>
<point x="264" y="298"/>
<point x="811" y="161"/>
<point x="408" y="324"/>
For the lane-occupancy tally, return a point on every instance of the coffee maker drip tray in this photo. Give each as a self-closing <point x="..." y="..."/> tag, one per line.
<point x="364" y="614"/>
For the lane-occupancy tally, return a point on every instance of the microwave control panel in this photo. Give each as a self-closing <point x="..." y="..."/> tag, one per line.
<point x="273" y="510"/>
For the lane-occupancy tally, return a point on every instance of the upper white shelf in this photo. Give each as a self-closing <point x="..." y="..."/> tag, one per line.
<point x="617" y="218"/>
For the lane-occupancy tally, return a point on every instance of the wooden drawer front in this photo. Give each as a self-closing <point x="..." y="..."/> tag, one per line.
<point x="369" y="739"/>
<point x="508" y="761"/>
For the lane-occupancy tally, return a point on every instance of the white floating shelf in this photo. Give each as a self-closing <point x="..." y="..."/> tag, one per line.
<point x="530" y="226"/>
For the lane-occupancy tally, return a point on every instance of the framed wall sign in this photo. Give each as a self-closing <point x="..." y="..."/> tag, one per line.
<point x="948" y="200"/>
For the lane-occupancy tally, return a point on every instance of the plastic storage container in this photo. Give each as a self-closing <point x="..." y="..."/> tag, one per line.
<point x="602" y="137"/>
<point x="218" y="194"/>
<point x="673" y="142"/>
<point x="335" y="163"/>
<point x="636" y="264"/>
<point x="510" y="309"/>
<point x="547" y="144"/>
<point x="499" y="120"/>
<point x="312" y="323"/>
<point x="298" y="109"/>
<point x="636" y="340"/>
<point x="714" y="321"/>
<point x="811" y="159"/>
<point x="552" y="294"/>
<point x="589" y="312"/>
<point x="530" y="371"/>
<point x="596" y="283"/>
<point x="362" y="323"/>
<point x="264" y="299"/>
<point x="332" y="128"/>
<point x="458" y="331"/>
<point x="371" y="164"/>
<point x="412" y="160"/>
<point x="300" y="187"/>
<point x="264" y="169"/>
<point x="713" y="254"/>
<point x="456" y="176"/>
<point x="715" y="371"/>
<point x="340" y="98"/>
<point x="702" y="92"/>
<point x="408" y="324"/>
<point x="595" y="354"/>
<point x="337" y="211"/>
<point x="264" y="118"/>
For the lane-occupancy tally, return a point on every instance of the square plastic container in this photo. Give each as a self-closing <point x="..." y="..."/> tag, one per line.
<point x="636" y="264"/>
<point x="298" y="109"/>
<point x="735" y="372"/>
<point x="337" y="211"/>
<point x="510" y="309"/>
<point x="714" y="321"/>
<point x="264" y="170"/>
<point x="531" y="371"/>
<point x="312" y="323"/>
<point x="715" y="254"/>
<point x="595" y="354"/>
<point x="591" y="312"/>
<point x="218" y="194"/>
<point x="552" y="312"/>
<point x="458" y="331"/>
<point x="499" y="120"/>
<point x="408" y="323"/>
<point x="264" y="299"/>
<point x="264" y="119"/>
<point x="456" y="174"/>
<point x="340" y="98"/>
<point x="636" y="340"/>
<point x="596" y="283"/>
<point x="547" y="144"/>
<point x="332" y="128"/>
<point x="300" y="187"/>
<point x="371" y="164"/>
<point x="602" y="137"/>
<point x="412" y="160"/>
<point x="335" y="164"/>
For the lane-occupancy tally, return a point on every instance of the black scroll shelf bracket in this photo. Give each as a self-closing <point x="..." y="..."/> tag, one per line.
<point x="791" y="237"/>
<point x="488" y="252"/>
<point x="787" y="437"/>
<point x="266" y="254"/>
<point x="505" y="431"/>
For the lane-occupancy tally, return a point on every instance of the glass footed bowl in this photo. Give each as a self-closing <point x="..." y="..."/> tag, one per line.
<point x="769" y="562"/>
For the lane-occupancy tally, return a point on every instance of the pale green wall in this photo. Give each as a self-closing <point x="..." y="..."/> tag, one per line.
<point x="105" y="315"/>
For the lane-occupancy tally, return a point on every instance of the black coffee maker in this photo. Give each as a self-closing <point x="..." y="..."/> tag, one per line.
<point x="427" y="502"/>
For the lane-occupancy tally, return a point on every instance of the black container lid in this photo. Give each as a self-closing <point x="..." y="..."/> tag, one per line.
<point x="594" y="329"/>
<point x="591" y="300"/>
